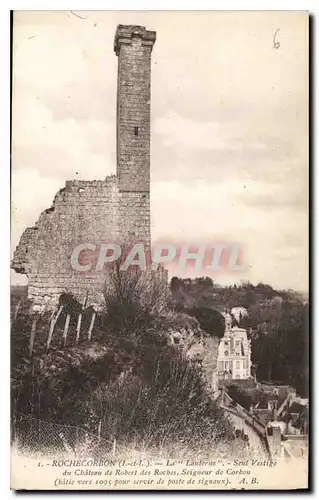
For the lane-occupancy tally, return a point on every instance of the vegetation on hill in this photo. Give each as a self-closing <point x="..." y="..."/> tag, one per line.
<point x="277" y="324"/>
<point x="133" y="385"/>
<point x="280" y="346"/>
<point x="130" y="384"/>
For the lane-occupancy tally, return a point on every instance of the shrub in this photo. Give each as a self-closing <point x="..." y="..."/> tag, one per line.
<point x="136" y="302"/>
<point x="160" y="400"/>
<point x="210" y="320"/>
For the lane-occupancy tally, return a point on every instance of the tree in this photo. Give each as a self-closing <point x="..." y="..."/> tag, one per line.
<point x="210" y="320"/>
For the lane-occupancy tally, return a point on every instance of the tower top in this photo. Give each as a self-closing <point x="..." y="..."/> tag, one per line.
<point x="125" y="33"/>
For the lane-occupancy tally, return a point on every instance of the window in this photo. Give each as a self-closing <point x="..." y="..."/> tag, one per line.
<point x="226" y="344"/>
<point x="135" y="130"/>
<point x="237" y="364"/>
<point x="237" y="353"/>
<point x="226" y="353"/>
<point x="226" y="365"/>
<point x="237" y="343"/>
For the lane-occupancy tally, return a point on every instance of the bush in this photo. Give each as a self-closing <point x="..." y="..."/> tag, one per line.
<point x="210" y="320"/>
<point x="136" y="302"/>
<point x="162" y="402"/>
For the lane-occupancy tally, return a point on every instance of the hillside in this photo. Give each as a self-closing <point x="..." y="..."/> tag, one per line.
<point x="147" y="374"/>
<point x="204" y="292"/>
<point x="143" y="379"/>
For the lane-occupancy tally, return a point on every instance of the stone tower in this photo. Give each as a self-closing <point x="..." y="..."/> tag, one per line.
<point x="133" y="46"/>
<point x="86" y="215"/>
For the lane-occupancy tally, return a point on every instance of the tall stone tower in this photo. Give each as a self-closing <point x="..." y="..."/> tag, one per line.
<point x="60" y="252"/>
<point x="133" y="46"/>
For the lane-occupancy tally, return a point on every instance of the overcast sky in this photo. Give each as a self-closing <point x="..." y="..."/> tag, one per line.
<point x="229" y="126"/>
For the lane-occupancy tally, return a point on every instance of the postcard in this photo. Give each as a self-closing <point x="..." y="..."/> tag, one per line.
<point x="159" y="272"/>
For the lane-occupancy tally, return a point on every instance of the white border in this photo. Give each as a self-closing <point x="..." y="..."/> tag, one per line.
<point x="164" y="5"/>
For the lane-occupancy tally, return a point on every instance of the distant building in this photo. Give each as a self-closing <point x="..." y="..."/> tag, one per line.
<point x="239" y="313"/>
<point x="234" y="353"/>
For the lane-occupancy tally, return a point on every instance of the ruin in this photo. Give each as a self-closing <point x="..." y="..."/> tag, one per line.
<point x="116" y="209"/>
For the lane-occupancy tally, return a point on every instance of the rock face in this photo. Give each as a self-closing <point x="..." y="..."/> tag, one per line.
<point x="92" y="213"/>
<point x="202" y="349"/>
<point x="239" y="312"/>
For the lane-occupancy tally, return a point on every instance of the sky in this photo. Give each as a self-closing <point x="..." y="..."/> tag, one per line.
<point x="229" y="126"/>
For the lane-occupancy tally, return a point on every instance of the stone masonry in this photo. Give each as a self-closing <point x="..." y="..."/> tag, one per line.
<point x="116" y="209"/>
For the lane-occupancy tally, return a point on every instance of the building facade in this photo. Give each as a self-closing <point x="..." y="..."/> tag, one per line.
<point x="234" y="353"/>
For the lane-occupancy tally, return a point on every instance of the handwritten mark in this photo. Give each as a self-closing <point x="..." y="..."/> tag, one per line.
<point x="77" y="15"/>
<point x="30" y="37"/>
<point x="276" y="43"/>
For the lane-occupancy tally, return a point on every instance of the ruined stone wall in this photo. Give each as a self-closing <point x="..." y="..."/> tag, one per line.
<point x="82" y="212"/>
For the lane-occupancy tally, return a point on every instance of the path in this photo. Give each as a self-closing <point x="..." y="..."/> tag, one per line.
<point x="256" y="445"/>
